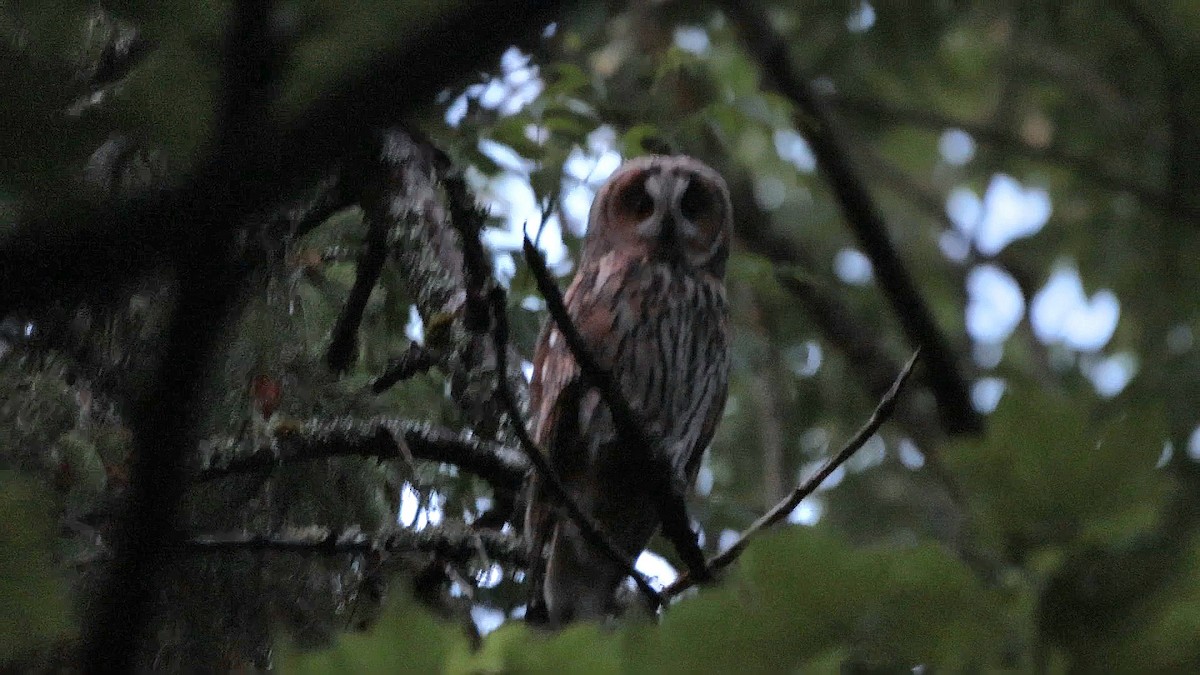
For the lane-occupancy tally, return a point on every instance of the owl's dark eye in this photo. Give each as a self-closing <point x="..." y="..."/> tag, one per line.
<point x="638" y="201"/>
<point x="695" y="202"/>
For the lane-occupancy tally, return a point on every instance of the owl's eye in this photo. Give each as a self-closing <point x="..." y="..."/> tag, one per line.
<point x="695" y="202"/>
<point x="638" y="201"/>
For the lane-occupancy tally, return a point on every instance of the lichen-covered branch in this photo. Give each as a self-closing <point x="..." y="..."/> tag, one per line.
<point x="451" y="543"/>
<point x="386" y="439"/>
<point x="428" y="249"/>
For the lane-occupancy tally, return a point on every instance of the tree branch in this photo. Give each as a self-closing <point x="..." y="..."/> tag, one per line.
<point x="455" y="544"/>
<point x="863" y="217"/>
<point x="385" y="440"/>
<point x="1089" y="169"/>
<point x="668" y="489"/>
<point x="73" y="249"/>
<point x="164" y="420"/>
<point x="588" y="527"/>
<point x="781" y="510"/>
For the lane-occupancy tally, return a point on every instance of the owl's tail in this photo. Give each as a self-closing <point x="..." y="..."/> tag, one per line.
<point x="580" y="582"/>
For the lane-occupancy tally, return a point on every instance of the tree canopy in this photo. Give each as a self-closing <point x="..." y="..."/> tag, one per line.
<point x="257" y="409"/>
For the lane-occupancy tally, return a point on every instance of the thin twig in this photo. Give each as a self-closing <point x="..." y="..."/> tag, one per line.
<point x="663" y="484"/>
<point x="862" y="215"/>
<point x="591" y="531"/>
<point x="781" y="510"/>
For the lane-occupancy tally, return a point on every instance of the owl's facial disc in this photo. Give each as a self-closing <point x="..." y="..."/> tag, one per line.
<point x="680" y="203"/>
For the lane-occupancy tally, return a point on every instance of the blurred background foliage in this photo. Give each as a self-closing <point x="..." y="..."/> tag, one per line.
<point x="1036" y="164"/>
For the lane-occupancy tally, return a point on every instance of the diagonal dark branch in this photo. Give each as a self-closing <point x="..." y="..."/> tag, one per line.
<point x="385" y="440"/>
<point x="455" y="544"/>
<point x="591" y="531"/>
<point x="1182" y="133"/>
<point x="781" y="510"/>
<point x="667" y="488"/>
<point x="862" y="215"/>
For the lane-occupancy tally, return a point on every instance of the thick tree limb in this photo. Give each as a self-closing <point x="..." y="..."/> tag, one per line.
<point x="454" y="544"/>
<point x="863" y="217"/>
<point x="781" y="510"/>
<point x="668" y="489"/>
<point x="384" y="440"/>
<point x="71" y="252"/>
<point x="164" y="420"/>
<point x="427" y="240"/>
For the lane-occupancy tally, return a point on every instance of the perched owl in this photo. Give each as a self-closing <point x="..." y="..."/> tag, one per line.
<point x="649" y="299"/>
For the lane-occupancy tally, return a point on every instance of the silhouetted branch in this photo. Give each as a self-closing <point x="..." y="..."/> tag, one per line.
<point x="781" y="510"/>
<point x="413" y="361"/>
<point x="862" y="215"/>
<point x="664" y="485"/>
<point x="450" y="543"/>
<point x="588" y="527"/>
<point x="384" y="440"/>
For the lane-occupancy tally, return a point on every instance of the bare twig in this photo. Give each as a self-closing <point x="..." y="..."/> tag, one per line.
<point x="862" y="215"/>
<point x="379" y="439"/>
<point x="781" y="510"/>
<point x="591" y="531"/>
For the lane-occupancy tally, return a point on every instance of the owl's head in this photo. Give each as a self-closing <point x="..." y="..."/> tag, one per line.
<point x="665" y="208"/>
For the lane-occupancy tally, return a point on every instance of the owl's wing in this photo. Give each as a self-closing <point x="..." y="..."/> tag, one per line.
<point x="554" y="402"/>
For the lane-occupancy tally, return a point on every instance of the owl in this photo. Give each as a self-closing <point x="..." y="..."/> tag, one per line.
<point x="649" y="300"/>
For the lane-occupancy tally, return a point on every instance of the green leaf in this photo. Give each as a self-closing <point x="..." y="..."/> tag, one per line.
<point x="33" y="602"/>
<point x="406" y="639"/>
<point x="1044" y="472"/>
